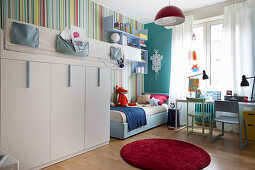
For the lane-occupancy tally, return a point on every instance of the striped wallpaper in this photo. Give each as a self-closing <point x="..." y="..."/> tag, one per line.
<point x="57" y="14"/>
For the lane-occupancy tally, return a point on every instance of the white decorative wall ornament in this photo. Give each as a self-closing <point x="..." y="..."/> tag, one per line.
<point x="156" y="62"/>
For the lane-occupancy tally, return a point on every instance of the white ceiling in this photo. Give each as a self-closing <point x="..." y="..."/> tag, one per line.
<point x="145" y="10"/>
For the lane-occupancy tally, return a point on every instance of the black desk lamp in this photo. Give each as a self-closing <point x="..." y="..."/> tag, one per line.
<point x="204" y="77"/>
<point x="246" y="83"/>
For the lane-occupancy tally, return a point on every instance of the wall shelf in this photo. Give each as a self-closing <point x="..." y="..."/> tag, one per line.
<point x="143" y="63"/>
<point x="131" y="38"/>
<point x="109" y="27"/>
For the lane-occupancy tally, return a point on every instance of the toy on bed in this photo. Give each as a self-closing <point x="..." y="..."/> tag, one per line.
<point x="122" y="99"/>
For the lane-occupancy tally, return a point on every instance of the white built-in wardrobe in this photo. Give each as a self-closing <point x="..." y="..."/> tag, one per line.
<point x="54" y="106"/>
<point x="51" y="111"/>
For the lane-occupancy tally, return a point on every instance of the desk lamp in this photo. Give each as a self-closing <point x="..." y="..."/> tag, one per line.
<point x="204" y="77"/>
<point x="246" y="83"/>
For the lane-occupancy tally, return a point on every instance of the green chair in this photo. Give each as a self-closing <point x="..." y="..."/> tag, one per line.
<point x="195" y="114"/>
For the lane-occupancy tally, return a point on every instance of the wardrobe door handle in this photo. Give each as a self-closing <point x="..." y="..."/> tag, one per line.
<point x="251" y="114"/>
<point x="98" y="77"/>
<point x="28" y="74"/>
<point x="250" y="125"/>
<point x="69" y="76"/>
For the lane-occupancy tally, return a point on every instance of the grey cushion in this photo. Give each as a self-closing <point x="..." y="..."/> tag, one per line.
<point x="67" y="47"/>
<point x="24" y="34"/>
<point x="116" y="53"/>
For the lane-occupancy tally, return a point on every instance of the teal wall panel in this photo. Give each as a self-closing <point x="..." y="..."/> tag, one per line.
<point x="159" y="39"/>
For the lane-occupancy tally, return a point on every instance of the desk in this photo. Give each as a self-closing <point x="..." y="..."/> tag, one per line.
<point x="211" y="102"/>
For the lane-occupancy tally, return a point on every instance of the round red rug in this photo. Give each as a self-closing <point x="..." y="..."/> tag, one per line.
<point x="165" y="154"/>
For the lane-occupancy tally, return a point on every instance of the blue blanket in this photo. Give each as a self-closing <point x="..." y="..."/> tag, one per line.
<point x="136" y="117"/>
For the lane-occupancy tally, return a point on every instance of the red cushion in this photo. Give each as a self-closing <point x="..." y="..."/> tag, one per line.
<point x="162" y="98"/>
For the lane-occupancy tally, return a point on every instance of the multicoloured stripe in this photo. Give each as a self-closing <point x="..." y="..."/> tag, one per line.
<point x="57" y="14"/>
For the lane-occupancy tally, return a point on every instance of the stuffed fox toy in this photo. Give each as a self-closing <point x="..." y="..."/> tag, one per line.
<point x="122" y="99"/>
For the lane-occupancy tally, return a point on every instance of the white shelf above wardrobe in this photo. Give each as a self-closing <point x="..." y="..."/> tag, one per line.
<point x="47" y="47"/>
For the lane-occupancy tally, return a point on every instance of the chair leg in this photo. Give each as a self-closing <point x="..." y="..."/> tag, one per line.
<point x="211" y="133"/>
<point x="241" y="144"/>
<point x="222" y="129"/>
<point x="187" y="124"/>
<point x="218" y="136"/>
<point x="192" y="123"/>
<point x="210" y="124"/>
<point x="203" y="126"/>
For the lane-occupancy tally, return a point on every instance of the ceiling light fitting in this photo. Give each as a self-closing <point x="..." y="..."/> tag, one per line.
<point x="169" y="16"/>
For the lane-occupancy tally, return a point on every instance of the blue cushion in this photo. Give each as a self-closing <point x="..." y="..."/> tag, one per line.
<point x="24" y="34"/>
<point x="116" y="53"/>
<point x="153" y="101"/>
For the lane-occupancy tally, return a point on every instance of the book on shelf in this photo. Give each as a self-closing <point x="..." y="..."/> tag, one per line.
<point x="122" y="27"/>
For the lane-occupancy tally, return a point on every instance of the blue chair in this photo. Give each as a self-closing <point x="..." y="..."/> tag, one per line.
<point x="229" y="107"/>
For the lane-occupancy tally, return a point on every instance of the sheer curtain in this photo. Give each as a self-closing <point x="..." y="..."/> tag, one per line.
<point x="238" y="46"/>
<point x="181" y="46"/>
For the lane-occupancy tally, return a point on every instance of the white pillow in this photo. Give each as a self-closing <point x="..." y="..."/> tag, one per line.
<point x="153" y="101"/>
<point x="78" y="33"/>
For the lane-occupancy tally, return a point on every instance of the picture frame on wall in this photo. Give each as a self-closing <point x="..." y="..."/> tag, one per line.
<point x="125" y="40"/>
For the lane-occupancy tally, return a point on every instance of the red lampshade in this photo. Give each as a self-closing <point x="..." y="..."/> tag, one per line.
<point x="169" y="16"/>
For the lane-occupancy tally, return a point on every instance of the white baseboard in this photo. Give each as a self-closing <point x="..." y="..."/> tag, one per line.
<point x="69" y="156"/>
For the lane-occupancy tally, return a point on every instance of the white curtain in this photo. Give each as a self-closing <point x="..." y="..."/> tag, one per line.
<point x="237" y="38"/>
<point x="238" y="47"/>
<point x="181" y="46"/>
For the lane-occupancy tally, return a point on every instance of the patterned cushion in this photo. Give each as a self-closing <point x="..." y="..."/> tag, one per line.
<point x="142" y="99"/>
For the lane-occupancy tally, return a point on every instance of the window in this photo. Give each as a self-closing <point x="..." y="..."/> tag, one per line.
<point x="215" y="47"/>
<point x="207" y="43"/>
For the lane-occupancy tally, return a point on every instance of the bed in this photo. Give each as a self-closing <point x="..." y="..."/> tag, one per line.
<point x="155" y="116"/>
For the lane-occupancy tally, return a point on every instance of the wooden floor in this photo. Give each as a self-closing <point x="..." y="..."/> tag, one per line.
<point x="225" y="153"/>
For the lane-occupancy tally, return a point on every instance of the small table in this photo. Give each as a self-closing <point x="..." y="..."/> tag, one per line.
<point x="171" y="119"/>
<point x="9" y="163"/>
<point x="211" y="102"/>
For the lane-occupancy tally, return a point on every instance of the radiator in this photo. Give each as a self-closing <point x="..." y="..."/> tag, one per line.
<point x="208" y="109"/>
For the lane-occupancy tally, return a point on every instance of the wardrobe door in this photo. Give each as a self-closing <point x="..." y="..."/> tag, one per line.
<point x="67" y="109"/>
<point x="25" y="111"/>
<point x="97" y="124"/>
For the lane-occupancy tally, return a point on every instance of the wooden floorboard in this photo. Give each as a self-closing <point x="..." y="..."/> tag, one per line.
<point x="225" y="153"/>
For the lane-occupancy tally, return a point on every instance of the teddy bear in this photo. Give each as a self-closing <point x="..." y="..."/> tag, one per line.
<point x="122" y="99"/>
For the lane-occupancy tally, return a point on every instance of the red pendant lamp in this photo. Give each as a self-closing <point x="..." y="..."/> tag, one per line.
<point x="169" y="16"/>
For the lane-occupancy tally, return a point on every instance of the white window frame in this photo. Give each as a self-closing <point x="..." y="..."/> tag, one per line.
<point x="207" y="43"/>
